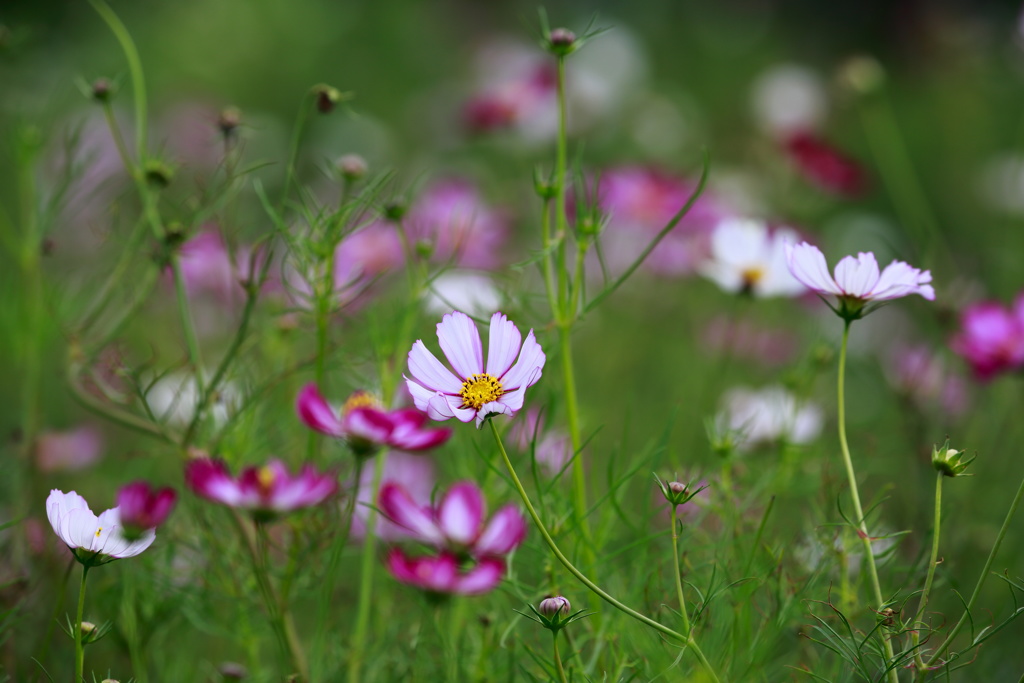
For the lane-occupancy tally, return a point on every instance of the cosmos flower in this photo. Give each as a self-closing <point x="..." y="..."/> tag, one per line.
<point x="365" y="426"/>
<point x="476" y="391"/>
<point x="265" y="491"/>
<point x="93" y="540"/>
<point x="443" y="574"/>
<point x="457" y="523"/>
<point x="451" y="222"/>
<point x="857" y="280"/>
<point x="768" y="415"/>
<point x="143" y="507"/>
<point x="746" y="257"/>
<point x="991" y="338"/>
<point x="415" y="473"/>
<point x="74" y="449"/>
<point x="824" y="166"/>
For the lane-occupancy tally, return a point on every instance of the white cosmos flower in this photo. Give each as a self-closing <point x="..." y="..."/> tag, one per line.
<point x="459" y="290"/>
<point x="769" y="415"/>
<point x="93" y="540"/>
<point x="747" y="257"/>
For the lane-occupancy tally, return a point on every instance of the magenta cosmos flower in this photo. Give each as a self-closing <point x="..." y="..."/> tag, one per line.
<point x="991" y="338"/>
<point x="365" y="426"/>
<point x="93" y="540"/>
<point x="444" y="575"/>
<point x="475" y="391"/>
<point x="143" y="507"/>
<point x="857" y="280"/>
<point x="457" y="524"/>
<point x="266" y="491"/>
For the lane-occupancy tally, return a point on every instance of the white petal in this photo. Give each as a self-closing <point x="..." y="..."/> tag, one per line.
<point x="527" y="369"/>
<point x="502" y="345"/>
<point x="857" y="276"/>
<point x="428" y="370"/>
<point x="807" y="264"/>
<point x="460" y="342"/>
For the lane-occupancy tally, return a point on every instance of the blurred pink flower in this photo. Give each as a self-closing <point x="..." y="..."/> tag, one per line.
<point x="265" y="491"/>
<point x="744" y="339"/>
<point x="552" y="449"/>
<point x="143" y="507"/>
<point x="71" y="450"/>
<point x="415" y="473"/>
<point x="518" y="86"/>
<point x="475" y="392"/>
<point x="857" y="280"/>
<point x="207" y="267"/>
<point x="451" y="220"/>
<point x="93" y="540"/>
<point x="457" y="523"/>
<point x="444" y="575"/>
<point x="918" y="372"/>
<point x="639" y="202"/>
<point x="747" y="258"/>
<point x="824" y="166"/>
<point x="991" y="338"/>
<point x="365" y="426"/>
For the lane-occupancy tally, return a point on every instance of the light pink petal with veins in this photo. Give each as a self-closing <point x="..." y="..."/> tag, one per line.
<point x="460" y="342"/>
<point x="428" y="370"/>
<point x="857" y="276"/>
<point x="527" y="370"/>
<point x="808" y="265"/>
<point x="502" y="346"/>
<point x="492" y="408"/>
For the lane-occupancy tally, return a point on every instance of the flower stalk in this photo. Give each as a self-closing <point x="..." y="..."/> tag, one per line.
<point x="79" y="648"/>
<point x="676" y="570"/>
<point x="933" y="562"/>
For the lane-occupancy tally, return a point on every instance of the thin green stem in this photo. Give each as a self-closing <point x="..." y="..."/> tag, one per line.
<point x="293" y="149"/>
<point x="933" y="561"/>
<point x="677" y="571"/>
<point x="548" y="266"/>
<point x="862" y="528"/>
<point x="981" y="579"/>
<point x="558" y="658"/>
<point x="187" y="325"/>
<point x="579" y="479"/>
<point x="366" y="578"/>
<point x="561" y="162"/>
<point x="79" y="648"/>
<point x="597" y="590"/>
<point x="134" y="67"/>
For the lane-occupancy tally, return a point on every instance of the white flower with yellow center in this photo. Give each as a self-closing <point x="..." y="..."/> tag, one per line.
<point x="747" y="258"/>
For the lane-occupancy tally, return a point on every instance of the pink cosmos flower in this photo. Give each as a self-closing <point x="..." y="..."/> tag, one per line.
<point x="93" y="540"/>
<point x="917" y="372"/>
<point x="266" y="491"/>
<point x="443" y="574"/>
<point x="991" y="338"/>
<point x="825" y="166"/>
<point x="639" y="202"/>
<point x="74" y="449"/>
<point x="457" y="524"/>
<point x="476" y="391"/>
<point x="451" y="220"/>
<point x="857" y="280"/>
<point x="365" y="426"/>
<point x="143" y="507"/>
<point x="207" y="268"/>
<point x="747" y="258"/>
<point x="415" y="473"/>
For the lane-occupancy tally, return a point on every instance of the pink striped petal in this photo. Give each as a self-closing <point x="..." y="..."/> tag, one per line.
<point x="429" y="372"/>
<point x="502" y="345"/>
<point x="396" y="503"/>
<point x="492" y="408"/>
<point x="483" y="578"/>
<point x="807" y="264"/>
<point x="317" y="413"/>
<point x="857" y="276"/>
<point x="368" y="423"/>
<point x="503" y="534"/>
<point x="527" y="369"/>
<point x="460" y="342"/>
<point x="461" y="513"/>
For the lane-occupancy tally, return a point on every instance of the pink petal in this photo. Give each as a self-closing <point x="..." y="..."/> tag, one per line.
<point x="857" y="276"/>
<point x="396" y="503"/>
<point x="527" y="369"/>
<point x="368" y="423"/>
<point x="461" y="513"/>
<point x="428" y="370"/>
<point x="807" y="264"/>
<point x="442" y="407"/>
<point x="483" y="578"/>
<point x="409" y="435"/>
<point x="493" y="408"/>
<point x="502" y="345"/>
<point x="503" y="534"/>
<point x="317" y="413"/>
<point x="460" y="342"/>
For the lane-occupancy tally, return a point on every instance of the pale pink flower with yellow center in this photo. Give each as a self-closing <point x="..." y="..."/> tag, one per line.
<point x="94" y="540"/>
<point x="747" y="258"/>
<point x="475" y="391"/>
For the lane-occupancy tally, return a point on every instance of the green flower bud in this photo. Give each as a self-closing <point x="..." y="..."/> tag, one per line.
<point x="949" y="461"/>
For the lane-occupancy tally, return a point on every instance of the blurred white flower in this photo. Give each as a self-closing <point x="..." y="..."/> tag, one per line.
<point x="788" y="98"/>
<point x="173" y="399"/>
<point x="466" y="291"/>
<point x="768" y="415"/>
<point x="747" y="258"/>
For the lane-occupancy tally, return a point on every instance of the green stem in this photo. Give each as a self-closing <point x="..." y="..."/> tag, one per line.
<point x="981" y="579"/>
<point x="558" y="658"/>
<point x="579" y="479"/>
<point x="933" y="561"/>
<point x="561" y="161"/>
<point x="677" y="571"/>
<point x="293" y="149"/>
<point x="366" y="578"/>
<point x="79" y="648"/>
<point x="862" y="528"/>
<point x="597" y="590"/>
<point x="134" y="67"/>
<point x="548" y="267"/>
<point x="187" y="325"/>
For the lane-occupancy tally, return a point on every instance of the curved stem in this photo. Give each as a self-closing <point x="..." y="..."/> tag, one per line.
<point x="981" y="579"/>
<point x="558" y="658"/>
<point x="188" y="326"/>
<point x="915" y="636"/>
<point x="79" y="649"/>
<point x="366" y="576"/>
<point x="686" y="639"/>
<point x="862" y="529"/>
<point x="677" y="572"/>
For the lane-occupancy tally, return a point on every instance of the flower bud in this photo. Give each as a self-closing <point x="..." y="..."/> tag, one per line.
<point x="550" y="607"/>
<point x="229" y="120"/>
<point x="562" y="41"/>
<point x="862" y="74"/>
<point x="102" y="90"/>
<point x="949" y="461"/>
<point x="352" y="167"/>
<point x="545" y="188"/>
<point x="88" y="628"/>
<point x="676" y="492"/>
<point x="395" y="210"/>
<point x="110" y="680"/>
<point x="232" y="671"/>
<point x="327" y="98"/>
<point x="158" y="174"/>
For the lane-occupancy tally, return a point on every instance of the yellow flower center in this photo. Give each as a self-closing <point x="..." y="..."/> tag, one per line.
<point x="480" y="389"/>
<point x="360" y="399"/>
<point x="266" y="478"/>
<point x="751" y="276"/>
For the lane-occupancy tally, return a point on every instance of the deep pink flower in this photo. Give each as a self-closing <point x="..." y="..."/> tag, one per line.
<point x="443" y="575"/>
<point x="825" y="166"/>
<point x="93" y="540"/>
<point x="477" y="391"/>
<point x="265" y="491"/>
<point x="74" y="449"/>
<point x="452" y="222"/>
<point x="365" y="426"/>
<point x="639" y="202"/>
<point x="857" y="280"/>
<point x="143" y="507"/>
<point x="207" y="268"/>
<point x="457" y="523"/>
<point x="991" y="338"/>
